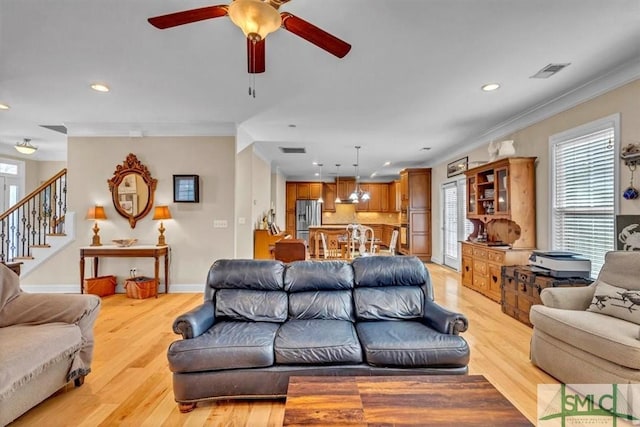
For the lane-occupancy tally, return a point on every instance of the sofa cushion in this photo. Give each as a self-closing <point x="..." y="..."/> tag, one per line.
<point x="256" y="306"/>
<point x="388" y="303"/>
<point x="303" y="276"/>
<point x="316" y="341"/>
<point x="616" y="302"/>
<point x="607" y="337"/>
<point x="389" y="271"/>
<point x="32" y="349"/>
<point x="227" y="345"/>
<point x="246" y="274"/>
<point x="410" y="344"/>
<point x="336" y="305"/>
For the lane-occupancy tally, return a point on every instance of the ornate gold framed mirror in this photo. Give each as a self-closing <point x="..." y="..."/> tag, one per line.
<point x="132" y="189"/>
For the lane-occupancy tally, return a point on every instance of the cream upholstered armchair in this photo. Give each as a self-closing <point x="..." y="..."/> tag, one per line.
<point x="585" y="335"/>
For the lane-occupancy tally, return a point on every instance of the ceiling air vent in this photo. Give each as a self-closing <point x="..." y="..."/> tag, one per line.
<point x="549" y="71"/>
<point x="56" y="128"/>
<point x="293" y="150"/>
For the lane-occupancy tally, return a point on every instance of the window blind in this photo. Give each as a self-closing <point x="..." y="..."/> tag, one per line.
<point x="451" y="221"/>
<point x="583" y="214"/>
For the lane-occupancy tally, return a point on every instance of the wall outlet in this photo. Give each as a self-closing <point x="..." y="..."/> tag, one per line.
<point x="242" y="220"/>
<point x="220" y="223"/>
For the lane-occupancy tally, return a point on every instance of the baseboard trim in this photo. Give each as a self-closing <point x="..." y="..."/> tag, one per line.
<point x="75" y="289"/>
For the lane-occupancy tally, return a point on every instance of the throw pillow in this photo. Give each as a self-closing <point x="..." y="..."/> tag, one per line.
<point x="616" y="302"/>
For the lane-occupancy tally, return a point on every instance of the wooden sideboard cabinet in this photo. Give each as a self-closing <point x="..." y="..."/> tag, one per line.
<point x="501" y="201"/>
<point x="482" y="267"/>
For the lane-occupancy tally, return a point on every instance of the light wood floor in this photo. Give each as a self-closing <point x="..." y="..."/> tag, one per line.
<point x="131" y="383"/>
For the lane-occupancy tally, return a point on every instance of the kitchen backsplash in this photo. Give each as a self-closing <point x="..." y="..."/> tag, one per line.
<point x="346" y="214"/>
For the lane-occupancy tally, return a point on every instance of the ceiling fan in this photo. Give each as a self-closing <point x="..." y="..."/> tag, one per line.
<point x="257" y="18"/>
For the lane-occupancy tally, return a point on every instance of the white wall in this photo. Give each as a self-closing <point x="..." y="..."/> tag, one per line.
<point x="253" y="197"/>
<point x="534" y="141"/>
<point x="279" y="197"/>
<point x="194" y="242"/>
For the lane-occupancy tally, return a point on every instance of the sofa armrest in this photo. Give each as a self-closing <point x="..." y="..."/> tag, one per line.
<point x="568" y="298"/>
<point x="195" y="322"/>
<point x="443" y="320"/>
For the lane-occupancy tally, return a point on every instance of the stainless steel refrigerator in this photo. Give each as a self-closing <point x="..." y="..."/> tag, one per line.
<point x="308" y="212"/>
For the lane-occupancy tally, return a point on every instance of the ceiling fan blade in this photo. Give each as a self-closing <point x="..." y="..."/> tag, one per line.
<point x="188" y="16"/>
<point x="315" y="35"/>
<point x="255" y="56"/>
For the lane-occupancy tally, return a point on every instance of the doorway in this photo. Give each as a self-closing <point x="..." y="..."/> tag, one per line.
<point x="455" y="226"/>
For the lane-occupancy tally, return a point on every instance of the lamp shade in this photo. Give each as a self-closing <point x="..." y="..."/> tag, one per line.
<point x="25" y="147"/>
<point x="255" y="18"/>
<point x="96" y="212"/>
<point x="161" y="212"/>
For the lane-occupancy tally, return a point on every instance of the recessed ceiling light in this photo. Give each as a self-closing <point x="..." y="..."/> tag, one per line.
<point x="386" y="163"/>
<point x="317" y="174"/>
<point x="490" y="87"/>
<point x="99" y="87"/>
<point x="4" y="107"/>
<point x="315" y="163"/>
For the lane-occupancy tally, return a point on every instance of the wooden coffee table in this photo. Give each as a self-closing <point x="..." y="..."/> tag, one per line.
<point x="426" y="400"/>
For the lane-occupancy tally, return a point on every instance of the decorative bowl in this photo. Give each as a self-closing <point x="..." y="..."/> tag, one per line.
<point x="123" y="243"/>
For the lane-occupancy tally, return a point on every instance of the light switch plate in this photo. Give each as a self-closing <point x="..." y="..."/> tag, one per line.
<point x="220" y="223"/>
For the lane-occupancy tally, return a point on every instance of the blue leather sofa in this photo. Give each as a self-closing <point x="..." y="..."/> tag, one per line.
<point x="263" y="321"/>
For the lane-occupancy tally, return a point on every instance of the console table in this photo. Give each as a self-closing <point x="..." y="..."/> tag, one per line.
<point x="112" y="251"/>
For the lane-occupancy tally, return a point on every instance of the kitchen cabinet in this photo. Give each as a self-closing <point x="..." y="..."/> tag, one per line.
<point x="315" y="190"/>
<point x="291" y="196"/>
<point x="345" y="188"/>
<point x="375" y="198"/>
<point x="415" y="188"/>
<point x="501" y="202"/>
<point x="383" y="194"/>
<point x="329" y="196"/>
<point x="363" y="205"/>
<point x="303" y="191"/>
<point x="394" y="196"/>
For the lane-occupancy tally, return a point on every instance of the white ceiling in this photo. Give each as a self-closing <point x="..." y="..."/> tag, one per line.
<point x="411" y="80"/>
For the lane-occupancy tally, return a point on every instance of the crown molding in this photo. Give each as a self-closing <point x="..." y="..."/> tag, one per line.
<point x="600" y="85"/>
<point x="139" y="130"/>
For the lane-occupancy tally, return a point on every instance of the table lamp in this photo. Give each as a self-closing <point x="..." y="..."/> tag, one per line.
<point x="161" y="213"/>
<point x="96" y="213"/>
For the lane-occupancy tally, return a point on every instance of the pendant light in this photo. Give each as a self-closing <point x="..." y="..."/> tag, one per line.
<point x="358" y="194"/>
<point x="320" y="199"/>
<point x="338" y="184"/>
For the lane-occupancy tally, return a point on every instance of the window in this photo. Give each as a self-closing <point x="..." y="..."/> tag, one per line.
<point x="8" y="168"/>
<point x="583" y="171"/>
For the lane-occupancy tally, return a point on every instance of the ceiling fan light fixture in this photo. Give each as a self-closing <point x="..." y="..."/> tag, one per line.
<point x="25" y="147"/>
<point x="255" y="18"/>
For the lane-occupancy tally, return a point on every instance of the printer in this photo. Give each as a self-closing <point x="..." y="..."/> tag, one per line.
<point x="560" y="264"/>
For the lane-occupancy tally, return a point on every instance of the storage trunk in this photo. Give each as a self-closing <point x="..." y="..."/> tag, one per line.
<point x="141" y="287"/>
<point x="101" y="286"/>
<point x="521" y="288"/>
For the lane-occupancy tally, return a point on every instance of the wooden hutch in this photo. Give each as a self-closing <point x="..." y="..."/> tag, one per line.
<point x="501" y="204"/>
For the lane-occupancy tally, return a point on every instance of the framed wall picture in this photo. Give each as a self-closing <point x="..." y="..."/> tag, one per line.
<point x="457" y="167"/>
<point x="186" y="189"/>
<point x="628" y="232"/>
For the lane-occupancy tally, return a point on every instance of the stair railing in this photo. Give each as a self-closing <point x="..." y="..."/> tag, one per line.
<point x="28" y="223"/>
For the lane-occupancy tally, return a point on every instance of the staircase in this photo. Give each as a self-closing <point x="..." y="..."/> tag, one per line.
<point x="38" y="226"/>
